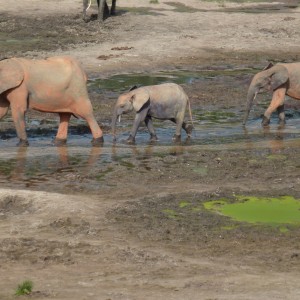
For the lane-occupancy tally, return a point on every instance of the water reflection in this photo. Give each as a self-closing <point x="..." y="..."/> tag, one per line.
<point x="77" y="167"/>
<point x="29" y="169"/>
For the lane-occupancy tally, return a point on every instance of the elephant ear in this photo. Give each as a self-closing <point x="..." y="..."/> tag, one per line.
<point x="270" y="65"/>
<point x="139" y="99"/>
<point x="11" y="74"/>
<point x="279" y="77"/>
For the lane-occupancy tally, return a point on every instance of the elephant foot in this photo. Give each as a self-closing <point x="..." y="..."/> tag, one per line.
<point x="59" y="142"/>
<point x="97" y="141"/>
<point x="189" y="130"/>
<point x="281" y="124"/>
<point x="130" y="140"/>
<point x="153" y="138"/>
<point x="188" y="140"/>
<point x="22" y="143"/>
<point x="265" y="121"/>
<point x="177" y="138"/>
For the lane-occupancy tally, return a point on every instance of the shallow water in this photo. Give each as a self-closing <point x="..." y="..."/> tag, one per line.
<point x="214" y="130"/>
<point x="123" y="82"/>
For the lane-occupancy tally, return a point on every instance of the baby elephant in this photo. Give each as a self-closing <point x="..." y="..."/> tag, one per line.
<point x="166" y="101"/>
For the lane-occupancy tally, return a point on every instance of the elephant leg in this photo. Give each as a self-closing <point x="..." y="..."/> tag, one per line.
<point x="187" y="128"/>
<point x="281" y="114"/>
<point x="96" y="131"/>
<point x="18" y="102"/>
<point x="277" y="100"/>
<point x="85" y="5"/>
<point x="179" y="124"/>
<point x="62" y="132"/>
<point x="139" y="117"/>
<point x="101" y="9"/>
<point x="4" y="105"/>
<point x="106" y="10"/>
<point x="149" y="124"/>
<point x="85" y="111"/>
<point x="113" y="7"/>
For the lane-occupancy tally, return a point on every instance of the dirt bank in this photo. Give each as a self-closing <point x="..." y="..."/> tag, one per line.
<point x="128" y="222"/>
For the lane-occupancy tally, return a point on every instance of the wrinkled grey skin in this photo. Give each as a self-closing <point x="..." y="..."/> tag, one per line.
<point x="165" y="101"/>
<point x="103" y="9"/>
<point x="281" y="79"/>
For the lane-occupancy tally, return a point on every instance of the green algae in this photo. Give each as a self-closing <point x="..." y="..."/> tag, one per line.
<point x="172" y="214"/>
<point x="259" y="210"/>
<point x="184" y="204"/>
<point x="277" y="157"/>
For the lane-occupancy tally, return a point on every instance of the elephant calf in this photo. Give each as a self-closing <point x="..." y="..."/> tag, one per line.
<point x="55" y="85"/>
<point x="281" y="79"/>
<point x="166" y="101"/>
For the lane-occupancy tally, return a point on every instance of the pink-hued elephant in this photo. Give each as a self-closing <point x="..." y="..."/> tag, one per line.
<point x="55" y="85"/>
<point x="281" y="79"/>
<point x="103" y="9"/>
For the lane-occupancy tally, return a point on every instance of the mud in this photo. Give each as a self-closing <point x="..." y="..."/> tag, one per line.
<point x="129" y="221"/>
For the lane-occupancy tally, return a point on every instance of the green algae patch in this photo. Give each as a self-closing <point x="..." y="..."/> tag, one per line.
<point x="277" y="157"/>
<point x="172" y="214"/>
<point x="184" y="204"/>
<point x="259" y="210"/>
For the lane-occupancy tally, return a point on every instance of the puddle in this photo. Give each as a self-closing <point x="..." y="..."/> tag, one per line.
<point x="259" y="210"/>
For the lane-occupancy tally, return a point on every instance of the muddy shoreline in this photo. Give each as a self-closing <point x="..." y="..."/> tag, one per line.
<point x="130" y="222"/>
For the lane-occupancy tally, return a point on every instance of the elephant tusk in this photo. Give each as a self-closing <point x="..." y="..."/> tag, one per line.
<point x="119" y="118"/>
<point x="255" y="95"/>
<point x="89" y="5"/>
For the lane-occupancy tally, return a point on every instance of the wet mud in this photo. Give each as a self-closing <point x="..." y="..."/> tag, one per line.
<point x="131" y="220"/>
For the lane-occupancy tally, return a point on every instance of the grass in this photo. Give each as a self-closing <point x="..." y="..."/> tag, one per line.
<point x="24" y="288"/>
<point x="154" y="1"/>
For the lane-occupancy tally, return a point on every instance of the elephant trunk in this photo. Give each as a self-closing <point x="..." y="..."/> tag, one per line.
<point x="113" y="123"/>
<point x="252" y="92"/>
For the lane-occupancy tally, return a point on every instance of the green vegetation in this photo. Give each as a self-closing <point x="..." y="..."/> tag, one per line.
<point x="25" y="288"/>
<point x="261" y="210"/>
<point x="154" y="1"/>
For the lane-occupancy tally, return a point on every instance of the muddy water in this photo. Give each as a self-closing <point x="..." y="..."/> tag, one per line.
<point x="46" y="167"/>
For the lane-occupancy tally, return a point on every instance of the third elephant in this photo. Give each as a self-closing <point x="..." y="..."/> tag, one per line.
<point x="281" y="79"/>
<point x="103" y="9"/>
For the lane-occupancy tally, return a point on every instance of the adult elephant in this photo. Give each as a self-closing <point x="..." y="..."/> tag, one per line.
<point x="281" y="79"/>
<point x="103" y="9"/>
<point x="55" y="85"/>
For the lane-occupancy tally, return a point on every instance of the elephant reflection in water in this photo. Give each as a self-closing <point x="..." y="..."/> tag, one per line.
<point x="275" y="140"/>
<point x="21" y="169"/>
<point x="143" y="154"/>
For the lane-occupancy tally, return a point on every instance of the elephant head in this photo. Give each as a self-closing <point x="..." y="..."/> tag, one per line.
<point x="11" y="74"/>
<point x="135" y="99"/>
<point x="271" y="78"/>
